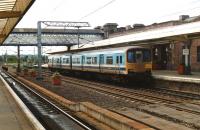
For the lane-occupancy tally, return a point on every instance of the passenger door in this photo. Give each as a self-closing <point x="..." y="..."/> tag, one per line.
<point x="118" y="63"/>
<point x="101" y="62"/>
<point x="60" y="62"/>
<point x="83" y="62"/>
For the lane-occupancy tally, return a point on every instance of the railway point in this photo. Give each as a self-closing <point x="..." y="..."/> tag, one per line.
<point x="98" y="73"/>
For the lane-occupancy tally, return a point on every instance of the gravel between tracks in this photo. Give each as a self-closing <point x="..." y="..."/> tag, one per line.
<point x="79" y="94"/>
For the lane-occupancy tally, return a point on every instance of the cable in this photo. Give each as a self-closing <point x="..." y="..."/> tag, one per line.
<point x="58" y="5"/>
<point x="181" y="11"/>
<point x="110" y="2"/>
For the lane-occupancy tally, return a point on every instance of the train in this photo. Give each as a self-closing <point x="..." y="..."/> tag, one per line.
<point x="121" y="62"/>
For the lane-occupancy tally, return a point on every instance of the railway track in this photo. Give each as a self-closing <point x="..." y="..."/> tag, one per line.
<point x="129" y="95"/>
<point x="184" y="96"/>
<point x="147" y="97"/>
<point x="51" y="114"/>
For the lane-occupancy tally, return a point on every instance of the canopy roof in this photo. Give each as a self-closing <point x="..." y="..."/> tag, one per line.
<point x="163" y="35"/>
<point x="11" y="11"/>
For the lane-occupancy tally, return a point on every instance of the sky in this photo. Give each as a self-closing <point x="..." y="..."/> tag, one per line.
<point x="99" y="12"/>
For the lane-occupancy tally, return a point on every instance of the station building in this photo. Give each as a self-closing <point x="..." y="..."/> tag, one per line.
<point x="168" y="55"/>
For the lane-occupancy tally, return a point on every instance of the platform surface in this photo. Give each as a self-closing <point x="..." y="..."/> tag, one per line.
<point x="174" y="76"/>
<point x="11" y="116"/>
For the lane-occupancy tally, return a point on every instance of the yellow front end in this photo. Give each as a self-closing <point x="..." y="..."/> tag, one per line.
<point x="139" y="68"/>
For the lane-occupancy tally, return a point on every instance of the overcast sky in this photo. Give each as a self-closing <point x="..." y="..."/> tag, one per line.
<point x="99" y="12"/>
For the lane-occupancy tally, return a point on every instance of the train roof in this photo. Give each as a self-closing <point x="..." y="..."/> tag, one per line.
<point x="110" y="50"/>
<point x="100" y="51"/>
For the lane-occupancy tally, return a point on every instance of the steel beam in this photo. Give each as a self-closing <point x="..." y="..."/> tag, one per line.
<point x="66" y="24"/>
<point x="39" y="50"/>
<point x="18" y="59"/>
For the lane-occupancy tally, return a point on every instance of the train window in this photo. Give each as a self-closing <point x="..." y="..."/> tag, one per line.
<point x="64" y="60"/>
<point x="94" y="60"/>
<point x="58" y="60"/>
<point x="131" y="56"/>
<point x="109" y="60"/>
<point x="74" y="61"/>
<point x="117" y="59"/>
<point x="67" y="60"/>
<point x="120" y="59"/>
<point x="78" y="60"/>
<point x="88" y="60"/>
<point x="146" y="55"/>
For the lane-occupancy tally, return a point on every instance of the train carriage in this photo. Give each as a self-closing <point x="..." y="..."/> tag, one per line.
<point x="118" y="61"/>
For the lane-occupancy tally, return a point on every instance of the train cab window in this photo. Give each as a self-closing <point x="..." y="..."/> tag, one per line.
<point x="146" y="55"/>
<point x="131" y="56"/>
<point x="109" y="60"/>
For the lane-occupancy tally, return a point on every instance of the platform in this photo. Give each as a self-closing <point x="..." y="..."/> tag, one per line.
<point x="174" y="76"/>
<point x="11" y="116"/>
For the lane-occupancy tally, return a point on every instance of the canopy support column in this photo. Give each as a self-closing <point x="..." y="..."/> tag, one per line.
<point x="18" y="60"/>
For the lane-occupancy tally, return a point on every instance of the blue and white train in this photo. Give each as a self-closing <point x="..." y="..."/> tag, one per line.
<point x="115" y="61"/>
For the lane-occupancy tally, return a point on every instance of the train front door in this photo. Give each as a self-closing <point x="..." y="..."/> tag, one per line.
<point x="101" y="62"/>
<point x="139" y="57"/>
<point x="139" y="66"/>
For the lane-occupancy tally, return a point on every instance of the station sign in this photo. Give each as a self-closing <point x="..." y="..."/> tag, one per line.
<point x="185" y="51"/>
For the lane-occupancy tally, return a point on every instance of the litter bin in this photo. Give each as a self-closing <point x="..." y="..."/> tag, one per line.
<point x="181" y="69"/>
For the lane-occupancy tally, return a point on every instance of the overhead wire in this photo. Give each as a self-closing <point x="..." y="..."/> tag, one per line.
<point x="182" y="11"/>
<point x="96" y="10"/>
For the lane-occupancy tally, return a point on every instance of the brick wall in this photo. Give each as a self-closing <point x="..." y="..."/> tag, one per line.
<point x="193" y="51"/>
<point x="177" y="55"/>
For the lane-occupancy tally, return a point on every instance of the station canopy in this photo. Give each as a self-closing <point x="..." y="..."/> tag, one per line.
<point x="11" y="11"/>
